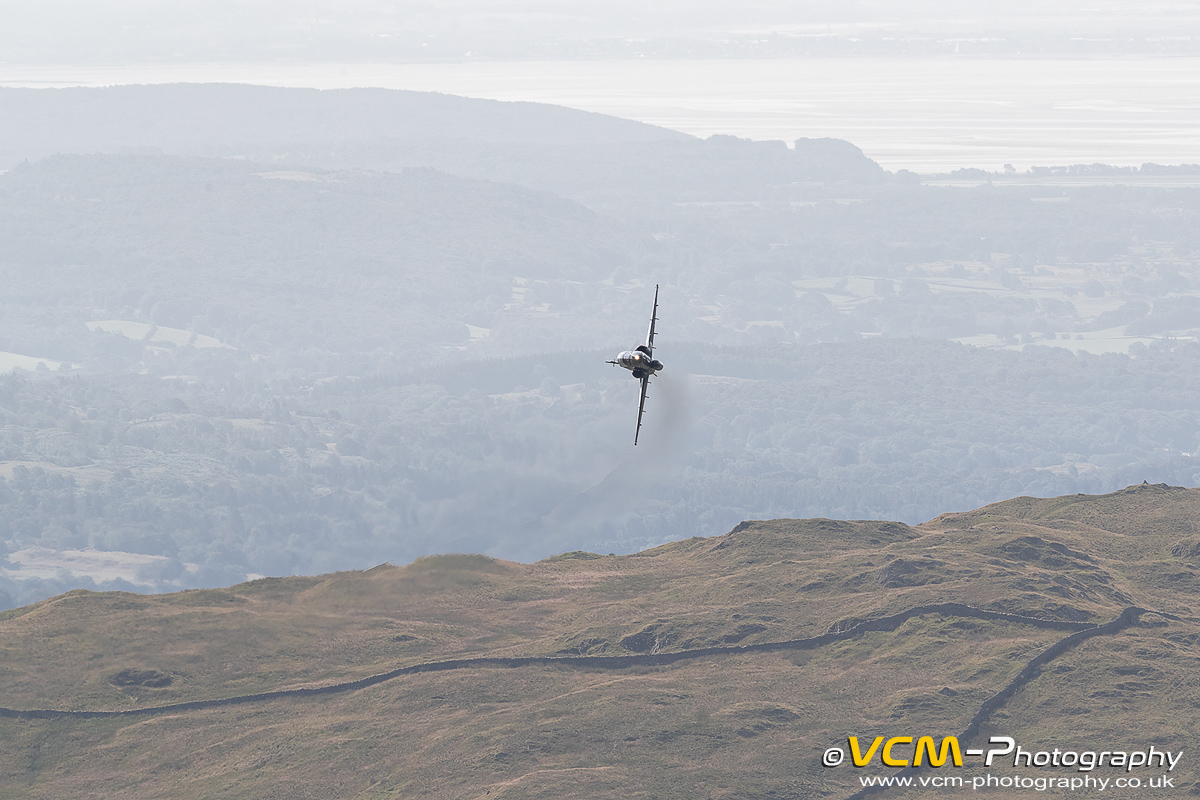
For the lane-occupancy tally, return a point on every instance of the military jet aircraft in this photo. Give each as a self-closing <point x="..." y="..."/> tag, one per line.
<point x="640" y="361"/>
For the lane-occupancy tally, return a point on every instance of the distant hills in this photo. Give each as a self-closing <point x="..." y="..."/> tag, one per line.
<point x="179" y="117"/>
<point x="727" y="664"/>
<point x="251" y="221"/>
<point x="577" y="153"/>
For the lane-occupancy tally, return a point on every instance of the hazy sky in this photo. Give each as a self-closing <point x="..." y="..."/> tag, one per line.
<point x="111" y="31"/>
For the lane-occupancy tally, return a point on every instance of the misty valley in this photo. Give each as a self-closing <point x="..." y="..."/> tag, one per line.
<point x="298" y="351"/>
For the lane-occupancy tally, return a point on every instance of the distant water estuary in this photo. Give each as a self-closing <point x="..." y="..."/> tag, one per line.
<point x="924" y="114"/>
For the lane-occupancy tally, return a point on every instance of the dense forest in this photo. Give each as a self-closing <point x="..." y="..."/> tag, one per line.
<point x="214" y="367"/>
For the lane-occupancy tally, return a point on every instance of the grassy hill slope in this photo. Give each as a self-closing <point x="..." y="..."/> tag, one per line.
<point x="620" y="707"/>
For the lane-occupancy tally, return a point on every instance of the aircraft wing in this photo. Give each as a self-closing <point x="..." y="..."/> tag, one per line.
<point x="650" y="335"/>
<point x="641" y="408"/>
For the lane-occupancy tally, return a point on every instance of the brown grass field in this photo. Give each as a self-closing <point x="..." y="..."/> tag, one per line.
<point x="737" y="723"/>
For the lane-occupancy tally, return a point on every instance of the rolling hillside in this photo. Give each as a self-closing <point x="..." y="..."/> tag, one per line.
<point x="718" y="667"/>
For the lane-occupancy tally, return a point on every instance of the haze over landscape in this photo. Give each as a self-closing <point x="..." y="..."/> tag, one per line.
<point x="299" y="292"/>
<point x="927" y="86"/>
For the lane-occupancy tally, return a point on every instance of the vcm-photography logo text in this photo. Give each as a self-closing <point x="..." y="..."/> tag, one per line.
<point x="909" y="751"/>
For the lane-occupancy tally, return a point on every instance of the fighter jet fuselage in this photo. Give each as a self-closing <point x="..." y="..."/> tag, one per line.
<point x="640" y="361"/>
